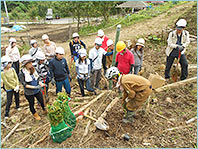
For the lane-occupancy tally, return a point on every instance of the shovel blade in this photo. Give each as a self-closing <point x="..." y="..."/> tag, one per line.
<point x="101" y="124"/>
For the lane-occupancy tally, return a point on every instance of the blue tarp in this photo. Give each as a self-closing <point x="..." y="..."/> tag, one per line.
<point x="17" y="28"/>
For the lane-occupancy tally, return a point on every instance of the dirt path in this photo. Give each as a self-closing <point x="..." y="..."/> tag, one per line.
<point x="147" y="27"/>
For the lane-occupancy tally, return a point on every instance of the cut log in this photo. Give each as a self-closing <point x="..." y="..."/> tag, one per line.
<point x="176" y="84"/>
<point x="111" y="105"/>
<point x="10" y="133"/>
<point x="90" y="103"/>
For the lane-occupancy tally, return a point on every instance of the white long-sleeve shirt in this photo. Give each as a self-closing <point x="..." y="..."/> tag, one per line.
<point x="13" y="53"/>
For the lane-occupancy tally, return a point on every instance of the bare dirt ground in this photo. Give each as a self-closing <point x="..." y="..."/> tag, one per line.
<point x="158" y="123"/>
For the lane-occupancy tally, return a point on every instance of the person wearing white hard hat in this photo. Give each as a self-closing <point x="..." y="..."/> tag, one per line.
<point x="104" y="46"/>
<point x="34" y="50"/>
<point x="49" y="47"/>
<point x="178" y="40"/>
<point x="13" y="52"/>
<point x="29" y="78"/>
<point x="43" y="70"/>
<point x="11" y="84"/>
<point x="109" y="59"/>
<point x="138" y="53"/>
<point x="83" y="70"/>
<point x="95" y="55"/>
<point x="75" y="45"/>
<point x="136" y="90"/>
<point x="59" y="71"/>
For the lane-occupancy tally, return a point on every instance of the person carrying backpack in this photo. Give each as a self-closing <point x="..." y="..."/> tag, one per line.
<point x="11" y="84"/>
<point x="75" y="45"/>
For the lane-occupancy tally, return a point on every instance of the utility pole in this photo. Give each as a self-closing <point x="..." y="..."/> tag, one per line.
<point x="114" y="50"/>
<point x="6" y="11"/>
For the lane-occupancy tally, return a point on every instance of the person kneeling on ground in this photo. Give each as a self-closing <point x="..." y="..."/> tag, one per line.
<point x="59" y="71"/>
<point x="83" y="69"/>
<point x="11" y="83"/>
<point x="136" y="90"/>
<point x="29" y="79"/>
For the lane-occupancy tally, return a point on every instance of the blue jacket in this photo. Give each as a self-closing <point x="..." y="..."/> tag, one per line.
<point x="58" y="69"/>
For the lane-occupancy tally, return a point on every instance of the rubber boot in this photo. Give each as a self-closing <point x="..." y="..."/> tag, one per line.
<point x="37" y="117"/>
<point x="129" y="117"/>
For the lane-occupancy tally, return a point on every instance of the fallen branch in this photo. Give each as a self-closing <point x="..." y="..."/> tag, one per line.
<point x="192" y="66"/>
<point x="193" y="36"/>
<point x="103" y="101"/>
<point x="10" y="133"/>
<point x="22" y="129"/>
<point x="82" y="98"/>
<point x="29" y="134"/>
<point x="176" y="84"/>
<point x="191" y="120"/>
<point x="39" y="141"/>
<point x="162" y="117"/>
<point x="113" y="102"/>
<point x="90" y="103"/>
<point x="174" y="128"/>
<point x="86" y="129"/>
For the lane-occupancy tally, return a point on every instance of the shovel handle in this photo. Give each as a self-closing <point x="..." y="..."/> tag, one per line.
<point x="90" y="117"/>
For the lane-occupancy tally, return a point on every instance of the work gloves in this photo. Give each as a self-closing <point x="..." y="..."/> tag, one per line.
<point x="16" y="89"/>
<point x="181" y="48"/>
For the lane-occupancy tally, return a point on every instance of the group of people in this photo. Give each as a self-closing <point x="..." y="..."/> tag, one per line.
<point x="48" y="64"/>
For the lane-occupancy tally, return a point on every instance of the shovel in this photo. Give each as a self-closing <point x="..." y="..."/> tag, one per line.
<point x="176" y="69"/>
<point x="100" y="123"/>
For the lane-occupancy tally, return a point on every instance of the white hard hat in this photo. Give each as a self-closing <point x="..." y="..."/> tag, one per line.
<point x="33" y="42"/>
<point x="181" y="23"/>
<point x="140" y="42"/>
<point x="26" y="59"/>
<point x="5" y="60"/>
<point x="109" y="42"/>
<point x="11" y="40"/>
<point x="60" y="50"/>
<point x="82" y="52"/>
<point x="75" y="35"/>
<point x="40" y="55"/>
<point x="111" y="72"/>
<point x="45" y="36"/>
<point x="100" y="33"/>
<point x="98" y="41"/>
